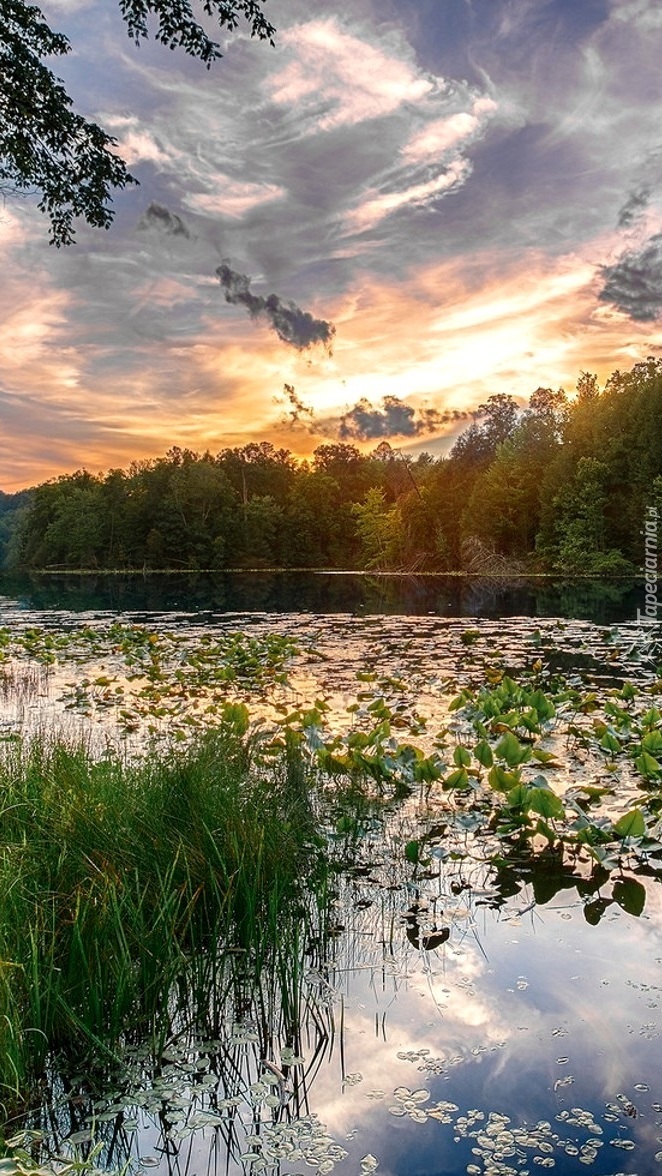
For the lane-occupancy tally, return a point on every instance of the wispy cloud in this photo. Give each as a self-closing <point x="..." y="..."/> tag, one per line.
<point x="335" y="77"/>
<point x="440" y="186"/>
<point x="635" y="205"/>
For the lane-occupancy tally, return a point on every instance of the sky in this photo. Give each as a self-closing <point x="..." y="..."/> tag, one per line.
<point x="359" y="234"/>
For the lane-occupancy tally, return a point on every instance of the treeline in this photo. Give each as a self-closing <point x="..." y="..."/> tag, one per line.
<point x="566" y="485"/>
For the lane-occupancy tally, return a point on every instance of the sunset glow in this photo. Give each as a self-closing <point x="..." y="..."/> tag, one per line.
<point x="428" y="180"/>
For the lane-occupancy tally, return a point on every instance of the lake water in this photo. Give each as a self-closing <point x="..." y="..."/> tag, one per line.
<point x="470" y="1011"/>
<point x="329" y="593"/>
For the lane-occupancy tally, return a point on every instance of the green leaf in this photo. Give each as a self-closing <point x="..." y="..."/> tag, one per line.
<point x="518" y="797"/>
<point x="543" y="757"/>
<point x="458" y="779"/>
<point x="543" y="705"/>
<point x="426" y="770"/>
<point x="461" y="756"/>
<point x="501" y="780"/>
<point x="610" y="743"/>
<point x="413" y="852"/>
<point x="631" y="825"/>
<point x="511" y="750"/>
<point x="483" y="753"/>
<point x="652" y="742"/>
<point x="546" y="803"/>
<point x="647" y="764"/>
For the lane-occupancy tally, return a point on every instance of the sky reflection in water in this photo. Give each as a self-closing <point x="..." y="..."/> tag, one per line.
<point x="524" y="1010"/>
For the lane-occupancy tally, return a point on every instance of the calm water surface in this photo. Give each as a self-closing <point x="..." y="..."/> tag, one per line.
<point x="466" y="1017"/>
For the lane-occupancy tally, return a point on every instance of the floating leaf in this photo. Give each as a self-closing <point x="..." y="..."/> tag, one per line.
<point x="593" y="911"/>
<point x="630" y="896"/>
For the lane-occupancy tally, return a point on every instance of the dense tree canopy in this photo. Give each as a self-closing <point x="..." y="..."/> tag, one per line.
<point x="562" y="485"/>
<point x="46" y="146"/>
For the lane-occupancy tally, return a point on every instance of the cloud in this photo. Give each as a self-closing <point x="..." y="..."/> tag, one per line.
<point x="297" y="407"/>
<point x="379" y="205"/>
<point x="634" y="283"/>
<point x="337" y="78"/>
<point x="364" y="422"/>
<point x="294" y="326"/>
<point x="635" y="205"/>
<point x="139" y="140"/>
<point x="442" y="135"/>
<point x="158" y="217"/>
<point x="640" y="12"/>
<point x="234" y="199"/>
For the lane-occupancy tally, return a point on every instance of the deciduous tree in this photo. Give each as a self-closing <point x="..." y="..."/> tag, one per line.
<point x="49" y="148"/>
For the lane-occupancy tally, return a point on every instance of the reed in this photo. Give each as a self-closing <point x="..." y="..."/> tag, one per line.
<point x="125" y="884"/>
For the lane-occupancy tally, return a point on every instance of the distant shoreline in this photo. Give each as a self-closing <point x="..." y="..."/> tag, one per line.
<point x="146" y="573"/>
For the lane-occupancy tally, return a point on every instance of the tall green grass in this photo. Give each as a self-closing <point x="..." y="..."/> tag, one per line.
<point x="125" y="889"/>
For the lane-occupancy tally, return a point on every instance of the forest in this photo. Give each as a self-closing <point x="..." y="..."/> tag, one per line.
<point x="562" y="485"/>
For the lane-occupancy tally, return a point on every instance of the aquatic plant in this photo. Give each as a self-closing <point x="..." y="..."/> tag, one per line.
<point x="120" y="881"/>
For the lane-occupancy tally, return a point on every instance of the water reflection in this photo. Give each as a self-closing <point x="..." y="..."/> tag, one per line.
<point x="473" y="1008"/>
<point x="521" y="1035"/>
<point x="324" y="592"/>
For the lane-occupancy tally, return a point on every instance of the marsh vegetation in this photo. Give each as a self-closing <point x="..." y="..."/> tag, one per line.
<point x="342" y="893"/>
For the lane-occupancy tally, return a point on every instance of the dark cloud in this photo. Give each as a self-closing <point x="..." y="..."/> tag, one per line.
<point x="157" y="216"/>
<point x="297" y="407"/>
<point x="364" y="422"/>
<point x="294" y="326"/>
<point x="636" y="203"/>
<point x="634" y="283"/>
